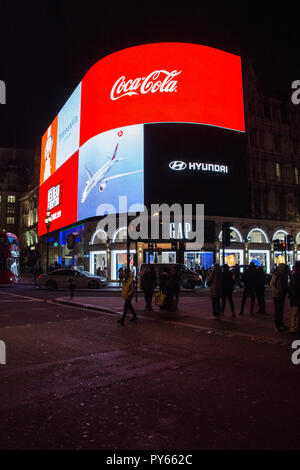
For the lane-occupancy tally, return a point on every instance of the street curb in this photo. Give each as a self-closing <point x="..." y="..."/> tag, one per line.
<point x="87" y="306"/>
<point x="204" y="329"/>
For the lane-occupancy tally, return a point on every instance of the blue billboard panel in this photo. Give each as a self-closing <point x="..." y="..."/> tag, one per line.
<point x="111" y="164"/>
<point x="68" y="128"/>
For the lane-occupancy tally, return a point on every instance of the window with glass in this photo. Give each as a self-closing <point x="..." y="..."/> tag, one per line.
<point x="10" y="220"/>
<point x="11" y="198"/>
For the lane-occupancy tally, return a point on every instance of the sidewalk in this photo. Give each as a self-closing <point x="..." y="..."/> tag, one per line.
<point x="196" y="312"/>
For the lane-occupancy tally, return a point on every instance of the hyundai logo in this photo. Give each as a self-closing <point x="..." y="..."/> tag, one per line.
<point x="177" y="165"/>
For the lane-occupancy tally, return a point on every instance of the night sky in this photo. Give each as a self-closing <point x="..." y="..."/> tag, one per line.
<point x="47" y="47"/>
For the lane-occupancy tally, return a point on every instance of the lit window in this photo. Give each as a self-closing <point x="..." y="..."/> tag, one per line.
<point x="10" y="210"/>
<point x="11" y="198"/>
<point x="297" y="175"/>
<point x="10" y="220"/>
<point x="278" y="171"/>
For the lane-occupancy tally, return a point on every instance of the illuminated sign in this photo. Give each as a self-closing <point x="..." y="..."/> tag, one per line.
<point x="95" y="144"/>
<point x="179" y="166"/>
<point x="53" y="197"/>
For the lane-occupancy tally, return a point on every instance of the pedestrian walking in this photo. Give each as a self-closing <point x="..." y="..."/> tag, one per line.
<point x="214" y="281"/>
<point x="249" y="280"/>
<point x="127" y="294"/>
<point x="279" y="288"/>
<point x="260" y="289"/>
<point x="71" y="287"/>
<point x="148" y="284"/>
<point x="294" y="293"/>
<point x="227" y="289"/>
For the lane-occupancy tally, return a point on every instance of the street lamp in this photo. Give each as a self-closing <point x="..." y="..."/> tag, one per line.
<point x="48" y="221"/>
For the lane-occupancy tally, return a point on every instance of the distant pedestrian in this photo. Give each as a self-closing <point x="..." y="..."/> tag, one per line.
<point x="173" y="286"/>
<point x="121" y="275"/>
<point x="249" y="279"/>
<point x="279" y="288"/>
<point x="214" y="281"/>
<point x="127" y="293"/>
<point x="260" y="289"/>
<point x="148" y="284"/>
<point x="71" y="287"/>
<point x="294" y="293"/>
<point x="227" y="289"/>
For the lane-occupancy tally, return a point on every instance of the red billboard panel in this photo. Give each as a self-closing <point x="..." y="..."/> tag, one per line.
<point x="58" y="194"/>
<point x="163" y="82"/>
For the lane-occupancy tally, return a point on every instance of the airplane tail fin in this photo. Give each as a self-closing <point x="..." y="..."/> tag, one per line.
<point x="115" y="152"/>
<point x="90" y="176"/>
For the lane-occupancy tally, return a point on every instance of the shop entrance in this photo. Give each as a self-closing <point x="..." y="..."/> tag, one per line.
<point x="119" y="260"/>
<point x="98" y="260"/>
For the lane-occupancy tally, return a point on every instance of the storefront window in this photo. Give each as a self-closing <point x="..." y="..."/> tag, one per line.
<point x="194" y="259"/>
<point x="260" y="258"/>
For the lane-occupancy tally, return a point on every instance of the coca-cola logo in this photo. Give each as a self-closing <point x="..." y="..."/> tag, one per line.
<point x="158" y="80"/>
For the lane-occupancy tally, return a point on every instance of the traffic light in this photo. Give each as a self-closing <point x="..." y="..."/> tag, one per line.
<point x="159" y="251"/>
<point x="174" y="246"/>
<point x="226" y="233"/>
<point x="150" y="248"/>
<point x="289" y="242"/>
<point x="279" y="245"/>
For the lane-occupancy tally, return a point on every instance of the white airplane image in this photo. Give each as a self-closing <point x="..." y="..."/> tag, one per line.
<point x="100" y="176"/>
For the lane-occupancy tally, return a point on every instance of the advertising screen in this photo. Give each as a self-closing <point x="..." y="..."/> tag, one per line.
<point x="98" y="148"/>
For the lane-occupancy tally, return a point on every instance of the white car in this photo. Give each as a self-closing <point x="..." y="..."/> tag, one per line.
<point x="61" y="278"/>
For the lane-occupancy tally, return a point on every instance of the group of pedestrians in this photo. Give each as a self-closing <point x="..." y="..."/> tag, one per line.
<point x="169" y="287"/>
<point x="222" y="282"/>
<point x="283" y="284"/>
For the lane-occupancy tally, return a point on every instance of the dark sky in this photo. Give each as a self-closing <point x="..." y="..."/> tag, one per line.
<point x="46" y="48"/>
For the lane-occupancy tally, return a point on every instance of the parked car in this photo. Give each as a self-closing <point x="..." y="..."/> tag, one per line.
<point x="61" y="277"/>
<point x="188" y="278"/>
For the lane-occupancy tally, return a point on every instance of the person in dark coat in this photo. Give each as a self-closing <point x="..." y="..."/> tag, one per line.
<point x="249" y="279"/>
<point x="173" y="286"/>
<point x="294" y="293"/>
<point x="260" y="289"/>
<point x="279" y="288"/>
<point x="148" y="284"/>
<point x="227" y="289"/>
<point x="214" y="281"/>
<point x="164" y="286"/>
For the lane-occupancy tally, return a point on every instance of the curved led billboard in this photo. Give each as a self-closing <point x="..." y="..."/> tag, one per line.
<point x="94" y="149"/>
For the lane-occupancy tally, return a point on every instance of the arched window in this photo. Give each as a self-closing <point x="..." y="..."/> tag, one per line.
<point x="100" y="236"/>
<point x="120" y="235"/>
<point x="257" y="235"/>
<point x="235" y="235"/>
<point x="280" y="234"/>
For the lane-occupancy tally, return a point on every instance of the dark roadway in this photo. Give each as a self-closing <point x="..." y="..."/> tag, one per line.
<point x="74" y="379"/>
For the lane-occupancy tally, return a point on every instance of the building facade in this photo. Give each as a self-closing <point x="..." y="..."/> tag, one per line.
<point x="272" y="211"/>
